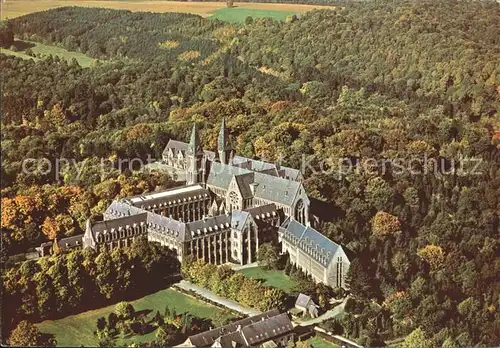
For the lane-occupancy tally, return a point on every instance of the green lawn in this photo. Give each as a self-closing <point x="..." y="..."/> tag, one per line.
<point x="318" y="342"/>
<point x="77" y="330"/>
<point x="278" y="279"/>
<point x="238" y="15"/>
<point x="46" y="50"/>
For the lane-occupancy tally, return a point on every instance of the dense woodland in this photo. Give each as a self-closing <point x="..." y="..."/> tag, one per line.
<point x="380" y="81"/>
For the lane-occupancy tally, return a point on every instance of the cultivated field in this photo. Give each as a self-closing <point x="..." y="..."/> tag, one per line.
<point x="16" y="8"/>
<point x="77" y="330"/>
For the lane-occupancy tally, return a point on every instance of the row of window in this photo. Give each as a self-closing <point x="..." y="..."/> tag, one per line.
<point x="109" y="236"/>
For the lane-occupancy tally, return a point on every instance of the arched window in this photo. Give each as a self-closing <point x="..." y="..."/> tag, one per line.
<point x="339" y="272"/>
<point x="234" y="201"/>
<point x="300" y="212"/>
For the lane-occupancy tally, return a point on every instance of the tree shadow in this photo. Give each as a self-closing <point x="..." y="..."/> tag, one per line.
<point x="143" y="312"/>
<point x="22" y="45"/>
<point x="47" y="340"/>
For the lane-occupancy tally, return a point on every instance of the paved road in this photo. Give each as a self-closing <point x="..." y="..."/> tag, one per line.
<point x="327" y="315"/>
<point x="216" y="298"/>
<point x="183" y="284"/>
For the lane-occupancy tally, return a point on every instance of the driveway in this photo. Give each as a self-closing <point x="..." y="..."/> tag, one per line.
<point x="339" y="309"/>
<point x="216" y="298"/>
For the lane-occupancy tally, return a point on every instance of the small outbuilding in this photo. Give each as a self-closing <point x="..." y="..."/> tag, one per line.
<point x="304" y="304"/>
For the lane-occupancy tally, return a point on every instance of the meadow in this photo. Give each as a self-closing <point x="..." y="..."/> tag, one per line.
<point x="238" y="14"/>
<point x="274" y="278"/>
<point x="77" y="330"/>
<point x="45" y="50"/>
<point x="318" y="342"/>
<point x="16" y="8"/>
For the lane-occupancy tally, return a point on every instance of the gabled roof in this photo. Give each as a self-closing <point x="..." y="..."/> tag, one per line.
<point x="207" y="338"/>
<point x="302" y="300"/>
<point x="276" y="189"/>
<point x="221" y="174"/>
<point x="115" y="224"/>
<point x="309" y="241"/>
<point x="244" y="181"/>
<point x="175" y="146"/>
<point x="267" y="329"/>
<point x="164" y="197"/>
<point x="208" y="224"/>
<point x="121" y="208"/>
<point x="268" y="187"/>
<point x="238" y="219"/>
<point x="166" y="226"/>
<point x="263" y="211"/>
<point x="291" y="173"/>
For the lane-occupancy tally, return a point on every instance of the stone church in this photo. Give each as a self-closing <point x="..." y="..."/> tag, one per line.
<point x="229" y="206"/>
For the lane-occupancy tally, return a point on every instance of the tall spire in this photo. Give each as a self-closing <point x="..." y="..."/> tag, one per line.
<point x="223" y="139"/>
<point x="195" y="159"/>
<point x="223" y="144"/>
<point x="194" y="142"/>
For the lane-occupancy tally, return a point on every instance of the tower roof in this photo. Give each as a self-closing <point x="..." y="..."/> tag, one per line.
<point x="194" y="142"/>
<point x="223" y="143"/>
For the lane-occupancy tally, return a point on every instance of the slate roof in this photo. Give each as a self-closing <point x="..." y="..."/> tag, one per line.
<point x="244" y="181"/>
<point x="121" y="208"/>
<point x="276" y="189"/>
<point x="267" y="329"/>
<point x="252" y="164"/>
<point x="168" y="196"/>
<point x="71" y="242"/>
<point x="181" y="146"/>
<point x="238" y="219"/>
<point x="221" y="174"/>
<point x="268" y="187"/>
<point x="66" y="243"/>
<point x="164" y="225"/>
<point x="208" y="224"/>
<point x="287" y="172"/>
<point x="266" y="168"/>
<point x="302" y="300"/>
<point x="108" y="225"/>
<point x="254" y="330"/>
<point x="310" y="241"/>
<point x="267" y="210"/>
<point x="176" y="146"/>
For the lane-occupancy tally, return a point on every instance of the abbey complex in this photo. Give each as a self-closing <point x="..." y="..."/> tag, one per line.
<point x="229" y="206"/>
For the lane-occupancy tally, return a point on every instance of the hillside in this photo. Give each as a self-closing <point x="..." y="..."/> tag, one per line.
<point x="390" y="108"/>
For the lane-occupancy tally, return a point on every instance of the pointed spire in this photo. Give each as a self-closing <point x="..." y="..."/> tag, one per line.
<point x="223" y="140"/>
<point x="194" y="142"/>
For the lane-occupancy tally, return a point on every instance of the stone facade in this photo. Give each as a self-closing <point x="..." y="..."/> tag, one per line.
<point x="314" y="254"/>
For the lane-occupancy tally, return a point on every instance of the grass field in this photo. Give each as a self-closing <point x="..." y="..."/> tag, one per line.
<point x="318" y="342"/>
<point x="77" y="330"/>
<point x="16" y="8"/>
<point x="238" y="14"/>
<point x="46" y="50"/>
<point x="277" y="279"/>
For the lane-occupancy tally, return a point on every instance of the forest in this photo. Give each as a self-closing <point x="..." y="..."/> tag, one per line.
<point x="375" y="82"/>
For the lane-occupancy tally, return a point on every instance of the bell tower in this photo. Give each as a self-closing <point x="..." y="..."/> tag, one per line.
<point x="223" y="144"/>
<point x="195" y="156"/>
